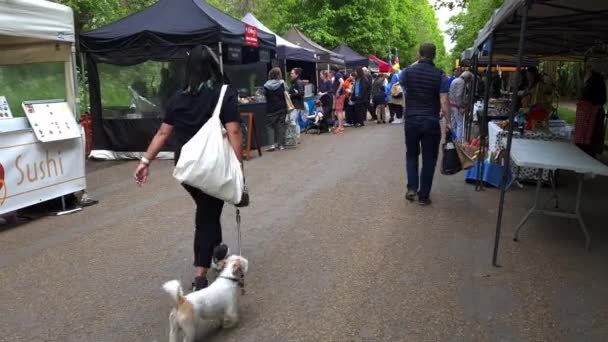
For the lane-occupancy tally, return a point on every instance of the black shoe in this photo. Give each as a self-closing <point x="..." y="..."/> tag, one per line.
<point x="199" y="283"/>
<point x="423" y="202"/>
<point x="410" y="195"/>
<point x="391" y="120"/>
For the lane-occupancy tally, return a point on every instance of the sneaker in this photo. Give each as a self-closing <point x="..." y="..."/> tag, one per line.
<point x="270" y="148"/>
<point x="199" y="283"/>
<point x="423" y="202"/>
<point x="339" y="130"/>
<point x="410" y="195"/>
<point x="281" y="148"/>
<point x="378" y="122"/>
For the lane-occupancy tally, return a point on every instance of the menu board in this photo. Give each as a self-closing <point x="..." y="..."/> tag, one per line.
<point x="51" y="121"/>
<point x="5" y="110"/>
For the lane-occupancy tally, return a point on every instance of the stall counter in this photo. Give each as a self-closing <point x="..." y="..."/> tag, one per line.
<point x="31" y="171"/>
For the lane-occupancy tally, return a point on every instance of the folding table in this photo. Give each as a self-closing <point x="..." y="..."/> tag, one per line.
<point x="552" y="156"/>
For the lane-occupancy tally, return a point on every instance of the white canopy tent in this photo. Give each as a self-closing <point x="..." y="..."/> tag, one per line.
<point x="36" y="31"/>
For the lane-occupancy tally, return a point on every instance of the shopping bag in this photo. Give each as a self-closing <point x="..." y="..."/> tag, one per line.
<point x="291" y="130"/>
<point x="466" y="162"/>
<point x="450" y="164"/>
<point x="208" y="161"/>
<point x="290" y="105"/>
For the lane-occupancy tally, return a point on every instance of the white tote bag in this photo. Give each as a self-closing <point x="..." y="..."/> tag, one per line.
<point x="208" y="162"/>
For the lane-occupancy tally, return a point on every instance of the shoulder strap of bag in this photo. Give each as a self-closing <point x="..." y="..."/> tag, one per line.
<point x="220" y="101"/>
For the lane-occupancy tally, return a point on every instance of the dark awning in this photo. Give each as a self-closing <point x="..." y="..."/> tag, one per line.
<point x="351" y="57"/>
<point x="325" y="56"/>
<point x="164" y="29"/>
<point x="557" y="29"/>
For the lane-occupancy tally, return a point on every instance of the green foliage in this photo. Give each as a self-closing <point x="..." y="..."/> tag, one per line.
<point x="466" y="25"/>
<point x="43" y="81"/>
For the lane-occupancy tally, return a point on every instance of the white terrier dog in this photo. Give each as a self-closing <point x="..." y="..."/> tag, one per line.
<point x="219" y="301"/>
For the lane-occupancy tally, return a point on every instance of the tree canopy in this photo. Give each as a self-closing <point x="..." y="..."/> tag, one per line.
<point x="367" y="26"/>
<point x="466" y="25"/>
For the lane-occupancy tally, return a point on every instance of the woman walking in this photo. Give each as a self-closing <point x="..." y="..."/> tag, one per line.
<point x="296" y="93"/>
<point x="187" y="111"/>
<point x="276" y="110"/>
<point x="339" y="95"/>
<point x="379" y="98"/>
<point x="361" y="97"/>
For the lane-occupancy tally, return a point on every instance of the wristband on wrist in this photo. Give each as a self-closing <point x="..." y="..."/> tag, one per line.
<point x="145" y="161"/>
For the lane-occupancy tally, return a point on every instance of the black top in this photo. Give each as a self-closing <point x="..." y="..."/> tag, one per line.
<point x="275" y="100"/>
<point x="336" y="84"/>
<point x="594" y="90"/>
<point x="297" y="93"/>
<point x="188" y="113"/>
<point x="422" y="84"/>
<point x="325" y="86"/>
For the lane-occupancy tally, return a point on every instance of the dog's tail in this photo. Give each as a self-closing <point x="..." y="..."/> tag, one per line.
<point x="174" y="289"/>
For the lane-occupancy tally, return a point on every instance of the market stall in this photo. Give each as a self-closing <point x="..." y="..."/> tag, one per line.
<point x="545" y="30"/>
<point x="326" y="57"/>
<point x="382" y="65"/>
<point x="352" y="59"/>
<point x="135" y="64"/>
<point x="42" y="145"/>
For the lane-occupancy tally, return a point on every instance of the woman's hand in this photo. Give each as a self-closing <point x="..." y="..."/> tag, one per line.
<point x="141" y="173"/>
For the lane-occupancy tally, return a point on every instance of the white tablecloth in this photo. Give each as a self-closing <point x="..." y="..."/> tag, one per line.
<point x="555" y="155"/>
<point x="497" y="140"/>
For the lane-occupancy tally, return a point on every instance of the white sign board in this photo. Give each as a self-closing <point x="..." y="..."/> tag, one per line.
<point x="5" y="110"/>
<point x="51" y="121"/>
<point x="32" y="172"/>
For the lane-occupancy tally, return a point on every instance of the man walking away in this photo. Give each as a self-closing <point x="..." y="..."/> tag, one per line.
<point x="426" y="94"/>
<point x="458" y="103"/>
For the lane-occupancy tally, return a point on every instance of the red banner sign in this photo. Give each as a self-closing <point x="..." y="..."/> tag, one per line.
<point x="251" y="35"/>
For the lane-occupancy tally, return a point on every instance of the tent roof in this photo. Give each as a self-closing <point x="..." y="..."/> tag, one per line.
<point x="169" y="23"/>
<point x="325" y="55"/>
<point x="382" y="65"/>
<point x="497" y="59"/>
<point x="555" y="27"/>
<point x="34" y="20"/>
<point x="351" y="57"/>
<point x="285" y="48"/>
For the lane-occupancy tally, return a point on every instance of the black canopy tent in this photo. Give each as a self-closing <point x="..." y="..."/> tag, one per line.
<point x="163" y="32"/>
<point x="325" y="56"/>
<point x="289" y="55"/>
<point x="286" y="50"/>
<point x="352" y="59"/>
<point x="544" y="29"/>
<point x="466" y="59"/>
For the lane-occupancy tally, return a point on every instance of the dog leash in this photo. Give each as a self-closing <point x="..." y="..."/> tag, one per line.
<point x="238" y="230"/>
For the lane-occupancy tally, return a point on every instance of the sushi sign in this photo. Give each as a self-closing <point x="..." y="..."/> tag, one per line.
<point x="251" y="35"/>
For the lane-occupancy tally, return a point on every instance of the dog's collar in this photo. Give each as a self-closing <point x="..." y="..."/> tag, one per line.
<point x="239" y="281"/>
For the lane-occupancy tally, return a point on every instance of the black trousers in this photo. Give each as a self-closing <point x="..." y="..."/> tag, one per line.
<point x="208" y="229"/>
<point x="395" y="110"/>
<point x="371" y="108"/>
<point x="360" y="113"/>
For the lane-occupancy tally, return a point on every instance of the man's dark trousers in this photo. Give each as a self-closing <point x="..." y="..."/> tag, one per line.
<point x="421" y="132"/>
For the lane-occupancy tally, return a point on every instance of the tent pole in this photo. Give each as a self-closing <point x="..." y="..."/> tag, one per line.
<point x="505" y="173"/>
<point x="482" y="121"/>
<point x="285" y="68"/>
<point x="219" y="45"/>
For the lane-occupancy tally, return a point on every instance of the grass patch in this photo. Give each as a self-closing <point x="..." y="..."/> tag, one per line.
<point x="567" y="115"/>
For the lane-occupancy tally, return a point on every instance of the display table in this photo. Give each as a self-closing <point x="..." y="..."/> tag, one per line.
<point x="553" y="156"/>
<point x="497" y="140"/>
<point x="32" y="171"/>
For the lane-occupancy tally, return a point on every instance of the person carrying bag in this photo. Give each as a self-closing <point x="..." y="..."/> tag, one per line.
<point x="204" y="123"/>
